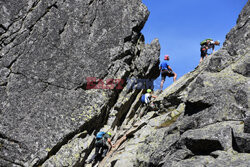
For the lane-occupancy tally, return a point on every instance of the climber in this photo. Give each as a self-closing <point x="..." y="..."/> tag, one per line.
<point x="147" y="103"/>
<point x="145" y="99"/>
<point x="166" y="70"/>
<point x="101" y="143"/>
<point x="205" y="45"/>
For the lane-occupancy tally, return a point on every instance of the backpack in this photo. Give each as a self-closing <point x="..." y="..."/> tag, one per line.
<point x="143" y="98"/>
<point x="204" y="41"/>
<point x="100" y="134"/>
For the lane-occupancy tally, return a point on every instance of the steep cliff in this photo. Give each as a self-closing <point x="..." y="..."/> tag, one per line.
<point x="48" y="49"/>
<point x="203" y="119"/>
<point x="49" y="117"/>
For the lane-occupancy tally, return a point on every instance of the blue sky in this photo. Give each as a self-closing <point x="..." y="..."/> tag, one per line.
<point x="180" y="25"/>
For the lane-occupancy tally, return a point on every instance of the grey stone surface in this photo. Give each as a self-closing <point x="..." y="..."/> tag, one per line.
<point x="50" y="118"/>
<point x="47" y="51"/>
<point x="203" y="117"/>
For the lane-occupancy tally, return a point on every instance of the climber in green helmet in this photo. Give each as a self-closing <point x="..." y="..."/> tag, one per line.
<point x="147" y="97"/>
<point x="146" y="102"/>
<point x="149" y="90"/>
<point x="103" y="141"/>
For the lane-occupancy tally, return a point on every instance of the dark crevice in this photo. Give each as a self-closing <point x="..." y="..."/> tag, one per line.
<point x="214" y="156"/>
<point x="9" y="139"/>
<point x="4" y="28"/>
<point x="11" y="63"/>
<point x="90" y="2"/>
<point x="51" y="84"/>
<point x="203" y="146"/>
<point x="83" y="86"/>
<point x="55" y="6"/>
<point x="151" y="164"/>
<point x="137" y="28"/>
<point x="4" y="84"/>
<point x="127" y="39"/>
<point x="195" y="107"/>
<point x="238" y="28"/>
<point x="30" y="28"/>
<point x="35" y="3"/>
<point x="247" y="124"/>
<point x="93" y="20"/>
<point x="234" y="143"/>
<point x="113" y="163"/>
<point x="63" y="29"/>
<point x="174" y="100"/>
<point x="128" y="60"/>
<point x="241" y="143"/>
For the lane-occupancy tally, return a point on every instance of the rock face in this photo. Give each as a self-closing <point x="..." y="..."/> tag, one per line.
<point x="52" y="51"/>
<point x="48" y="49"/>
<point x="203" y="118"/>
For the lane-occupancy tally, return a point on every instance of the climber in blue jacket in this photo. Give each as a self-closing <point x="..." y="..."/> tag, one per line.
<point x="166" y="70"/>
